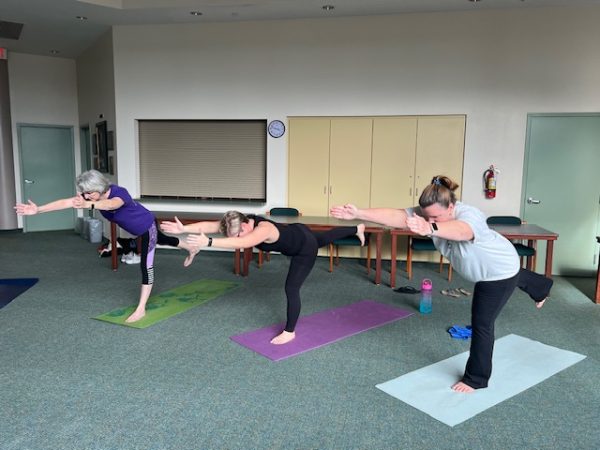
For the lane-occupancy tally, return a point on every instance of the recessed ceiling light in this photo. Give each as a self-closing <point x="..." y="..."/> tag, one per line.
<point x="81" y="17"/>
<point x="195" y="13"/>
<point x="54" y="52"/>
<point x="328" y="7"/>
<point x="474" y="1"/>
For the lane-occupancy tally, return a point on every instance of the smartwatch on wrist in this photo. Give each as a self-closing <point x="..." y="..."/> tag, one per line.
<point x="434" y="228"/>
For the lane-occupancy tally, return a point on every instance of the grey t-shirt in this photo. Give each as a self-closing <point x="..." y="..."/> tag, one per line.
<point x="488" y="257"/>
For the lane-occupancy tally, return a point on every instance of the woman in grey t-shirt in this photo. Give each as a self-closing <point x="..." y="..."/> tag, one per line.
<point x="479" y="254"/>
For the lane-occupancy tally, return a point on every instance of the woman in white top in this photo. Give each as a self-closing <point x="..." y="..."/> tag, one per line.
<point x="479" y="254"/>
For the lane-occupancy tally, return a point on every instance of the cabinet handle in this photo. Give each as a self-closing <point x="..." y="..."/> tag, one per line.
<point x="416" y="191"/>
<point x="330" y="190"/>
<point x="410" y="192"/>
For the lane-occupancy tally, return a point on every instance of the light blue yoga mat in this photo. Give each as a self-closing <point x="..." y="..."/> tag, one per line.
<point x="519" y="363"/>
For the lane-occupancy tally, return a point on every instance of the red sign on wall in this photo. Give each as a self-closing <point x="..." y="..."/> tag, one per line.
<point x="2" y="53"/>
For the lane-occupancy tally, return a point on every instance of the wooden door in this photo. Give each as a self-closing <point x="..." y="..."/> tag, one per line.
<point x="440" y="150"/>
<point x="308" y="165"/>
<point x="393" y="162"/>
<point x="350" y="161"/>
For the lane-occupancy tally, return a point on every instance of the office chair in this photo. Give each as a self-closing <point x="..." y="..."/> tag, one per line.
<point x="524" y="251"/>
<point x="348" y="241"/>
<point x="423" y="245"/>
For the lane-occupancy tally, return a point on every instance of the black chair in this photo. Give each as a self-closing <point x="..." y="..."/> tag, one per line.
<point x="350" y="241"/>
<point x="524" y="251"/>
<point x="423" y="245"/>
<point x="280" y="211"/>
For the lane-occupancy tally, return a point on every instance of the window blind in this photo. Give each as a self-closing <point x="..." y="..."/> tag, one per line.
<point x="203" y="159"/>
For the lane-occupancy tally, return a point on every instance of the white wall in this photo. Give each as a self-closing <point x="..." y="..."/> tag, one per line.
<point x="96" y="84"/>
<point x="493" y="66"/>
<point x="43" y="90"/>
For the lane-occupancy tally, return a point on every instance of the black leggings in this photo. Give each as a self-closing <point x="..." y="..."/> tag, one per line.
<point x="489" y="297"/>
<point x="302" y="263"/>
<point x="149" y="240"/>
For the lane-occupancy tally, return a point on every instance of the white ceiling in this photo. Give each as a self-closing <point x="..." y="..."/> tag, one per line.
<point x="52" y="24"/>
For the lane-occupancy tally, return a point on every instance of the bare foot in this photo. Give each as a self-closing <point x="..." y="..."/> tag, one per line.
<point x="360" y="233"/>
<point x="190" y="258"/>
<point x="462" y="387"/>
<point x="283" y="338"/>
<point x="137" y="315"/>
<point x="539" y="305"/>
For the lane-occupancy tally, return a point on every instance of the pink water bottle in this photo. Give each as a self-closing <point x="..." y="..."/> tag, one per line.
<point x="425" y="303"/>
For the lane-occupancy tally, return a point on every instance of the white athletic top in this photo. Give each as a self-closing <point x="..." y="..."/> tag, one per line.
<point x="488" y="257"/>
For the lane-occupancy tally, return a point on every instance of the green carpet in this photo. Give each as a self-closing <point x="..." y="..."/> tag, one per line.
<point x="171" y="302"/>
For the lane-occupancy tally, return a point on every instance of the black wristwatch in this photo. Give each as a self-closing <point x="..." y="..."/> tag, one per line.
<point x="209" y="242"/>
<point x="434" y="228"/>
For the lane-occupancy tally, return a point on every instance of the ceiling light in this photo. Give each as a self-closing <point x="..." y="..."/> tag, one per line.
<point x="474" y="1"/>
<point x="328" y="7"/>
<point x="195" y="13"/>
<point x="54" y="52"/>
<point x="81" y="17"/>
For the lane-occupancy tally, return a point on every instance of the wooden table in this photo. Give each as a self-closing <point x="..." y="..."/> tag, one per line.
<point x="324" y="223"/>
<point x="597" y="295"/>
<point x="185" y="218"/>
<point x="532" y="233"/>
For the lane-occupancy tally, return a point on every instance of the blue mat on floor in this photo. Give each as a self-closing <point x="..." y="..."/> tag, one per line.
<point x="12" y="288"/>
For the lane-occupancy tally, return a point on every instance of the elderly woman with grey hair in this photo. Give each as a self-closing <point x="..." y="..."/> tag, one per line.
<point x="94" y="191"/>
<point x="294" y="240"/>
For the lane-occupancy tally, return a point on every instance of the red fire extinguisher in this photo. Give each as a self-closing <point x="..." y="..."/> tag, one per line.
<point x="489" y="182"/>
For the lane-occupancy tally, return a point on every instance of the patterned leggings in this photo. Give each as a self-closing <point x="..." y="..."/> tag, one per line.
<point x="149" y="240"/>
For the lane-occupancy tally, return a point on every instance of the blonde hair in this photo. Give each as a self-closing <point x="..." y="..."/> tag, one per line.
<point x="440" y="191"/>
<point x="231" y="223"/>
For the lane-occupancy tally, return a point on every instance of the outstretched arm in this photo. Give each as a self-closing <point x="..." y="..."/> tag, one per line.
<point x="176" y="227"/>
<point x="385" y="216"/>
<point x="30" y="208"/>
<point x="263" y="232"/>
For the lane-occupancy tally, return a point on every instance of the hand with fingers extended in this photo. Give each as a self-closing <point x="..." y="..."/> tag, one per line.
<point x="26" y="209"/>
<point x="346" y="212"/>
<point x="197" y="240"/>
<point x="175" y="227"/>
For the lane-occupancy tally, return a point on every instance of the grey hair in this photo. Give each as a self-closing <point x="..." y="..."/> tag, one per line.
<point x="231" y="223"/>
<point x="92" y="181"/>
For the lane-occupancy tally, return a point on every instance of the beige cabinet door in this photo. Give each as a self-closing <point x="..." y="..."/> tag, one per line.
<point x="440" y="150"/>
<point x="308" y="165"/>
<point x="393" y="162"/>
<point x="350" y="161"/>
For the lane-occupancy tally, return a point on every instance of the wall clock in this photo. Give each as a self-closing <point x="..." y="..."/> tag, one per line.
<point x="276" y="128"/>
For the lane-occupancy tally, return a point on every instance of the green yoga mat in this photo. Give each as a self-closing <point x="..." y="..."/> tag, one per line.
<point x="171" y="302"/>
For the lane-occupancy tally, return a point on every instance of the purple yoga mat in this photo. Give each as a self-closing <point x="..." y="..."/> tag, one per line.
<point x="322" y="328"/>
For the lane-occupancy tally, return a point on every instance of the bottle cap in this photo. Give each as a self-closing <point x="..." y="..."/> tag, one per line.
<point x="426" y="285"/>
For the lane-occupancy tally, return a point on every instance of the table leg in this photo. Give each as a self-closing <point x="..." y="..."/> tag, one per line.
<point x="378" y="246"/>
<point x="236" y="261"/>
<point x="530" y="265"/>
<point x="247" y="259"/>
<point x="114" y="257"/>
<point x="549" y="251"/>
<point x="394" y="252"/>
